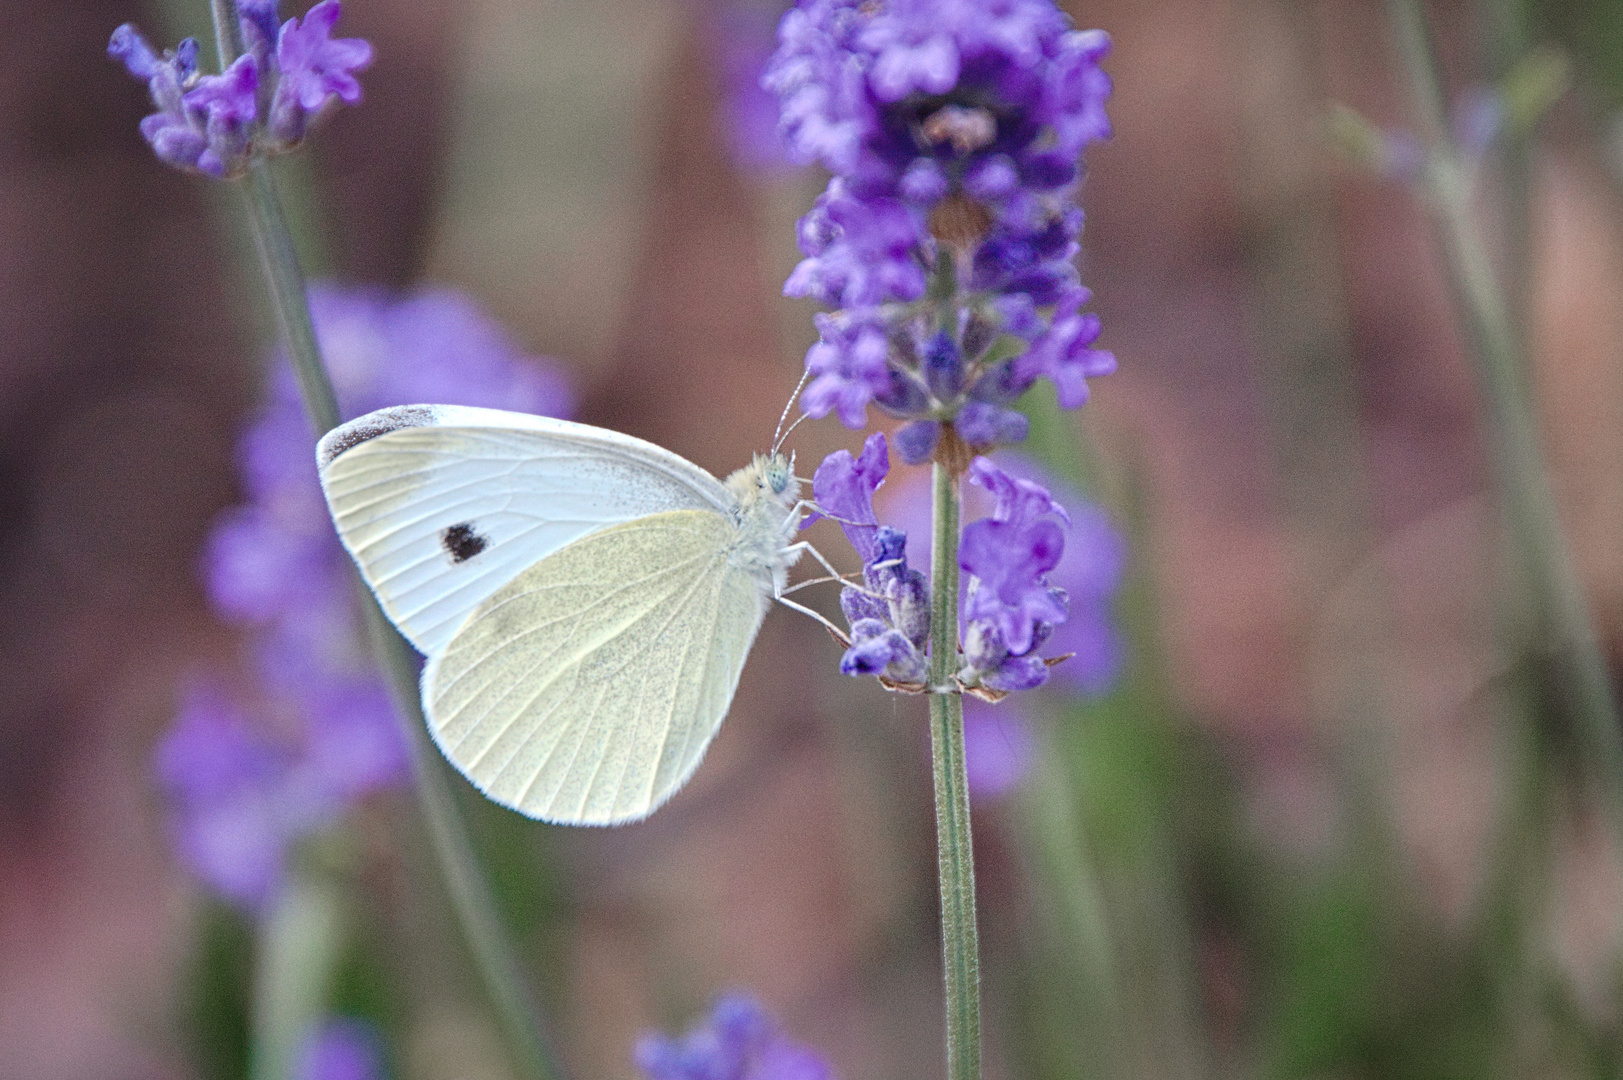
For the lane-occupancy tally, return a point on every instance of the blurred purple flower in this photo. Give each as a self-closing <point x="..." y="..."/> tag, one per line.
<point x="738" y="1041"/>
<point x="211" y="123"/>
<point x="248" y="783"/>
<point x="340" y="1049"/>
<point x="997" y="748"/>
<point x="237" y="796"/>
<point x="954" y="129"/>
<point x="743" y="34"/>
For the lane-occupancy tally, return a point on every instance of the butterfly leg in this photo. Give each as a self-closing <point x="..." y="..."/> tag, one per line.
<point x="805" y="546"/>
<point x="834" y="575"/>
<point x="839" y="635"/>
<point x="782" y="597"/>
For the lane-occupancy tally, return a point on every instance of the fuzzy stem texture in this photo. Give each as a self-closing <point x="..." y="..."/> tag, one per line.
<point x="470" y="895"/>
<point x="960" y="949"/>
<point x="1541" y="554"/>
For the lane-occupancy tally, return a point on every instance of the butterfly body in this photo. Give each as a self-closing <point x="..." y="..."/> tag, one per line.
<point x="586" y="600"/>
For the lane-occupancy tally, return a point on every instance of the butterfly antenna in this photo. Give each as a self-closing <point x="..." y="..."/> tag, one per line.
<point x="778" y="434"/>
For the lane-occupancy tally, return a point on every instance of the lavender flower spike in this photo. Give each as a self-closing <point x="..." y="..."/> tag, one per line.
<point x="212" y="124"/>
<point x="738" y="1041"/>
<point x="954" y="130"/>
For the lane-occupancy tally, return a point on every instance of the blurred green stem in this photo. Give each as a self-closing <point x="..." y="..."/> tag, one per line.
<point x="1082" y="962"/>
<point x="298" y="945"/>
<point x="955" y="857"/>
<point x="1540" y="550"/>
<point x="492" y="952"/>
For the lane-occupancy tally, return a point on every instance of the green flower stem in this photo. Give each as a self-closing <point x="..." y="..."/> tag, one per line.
<point x="297" y="949"/>
<point x="470" y="895"/>
<point x="274" y="242"/>
<point x="960" y="949"/>
<point x="476" y="910"/>
<point x="1540" y="550"/>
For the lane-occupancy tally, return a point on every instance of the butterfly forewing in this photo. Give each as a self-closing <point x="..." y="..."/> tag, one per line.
<point x="444" y="505"/>
<point x="586" y="691"/>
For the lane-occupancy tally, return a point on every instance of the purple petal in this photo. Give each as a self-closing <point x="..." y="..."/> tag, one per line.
<point x="844" y="487"/>
<point x="340" y="1050"/>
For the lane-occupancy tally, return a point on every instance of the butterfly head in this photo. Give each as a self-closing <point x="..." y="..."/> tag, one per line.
<point x="766" y="486"/>
<point x="777" y="473"/>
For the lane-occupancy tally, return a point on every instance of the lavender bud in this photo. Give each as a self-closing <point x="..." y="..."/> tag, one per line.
<point x="978" y="335"/>
<point x="924" y="182"/>
<point x="901" y="396"/>
<point x="909" y="598"/>
<point x="1017" y="673"/>
<point x="916" y="442"/>
<point x="859" y="605"/>
<point x="983" y="645"/>
<point x="983" y="425"/>
<point x="943" y="367"/>
<point x="882" y="651"/>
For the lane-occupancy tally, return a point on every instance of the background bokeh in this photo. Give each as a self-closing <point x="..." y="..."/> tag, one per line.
<point x="1314" y="831"/>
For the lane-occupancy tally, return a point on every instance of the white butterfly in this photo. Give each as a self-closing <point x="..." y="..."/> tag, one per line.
<point x="585" y="599"/>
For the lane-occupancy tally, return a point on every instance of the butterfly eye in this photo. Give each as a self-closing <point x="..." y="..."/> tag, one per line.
<point x="777" y="474"/>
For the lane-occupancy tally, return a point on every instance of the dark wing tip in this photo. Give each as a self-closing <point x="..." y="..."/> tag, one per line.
<point x="366" y="428"/>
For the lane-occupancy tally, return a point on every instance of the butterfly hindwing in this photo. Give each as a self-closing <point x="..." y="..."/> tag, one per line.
<point x="587" y="689"/>
<point x="444" y="505"/>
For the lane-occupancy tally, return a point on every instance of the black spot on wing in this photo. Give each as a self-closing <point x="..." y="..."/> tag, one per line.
<point x="462" y="542"/>
<point x="370" y="426"/>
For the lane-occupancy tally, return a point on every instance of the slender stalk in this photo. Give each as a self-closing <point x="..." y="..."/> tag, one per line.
<point x="274" y="242"/>
<point x="227" y="31"/>
<point x="960" y="949"/>
<point x="476" y="910"/>
<point x="1539" y="548"/>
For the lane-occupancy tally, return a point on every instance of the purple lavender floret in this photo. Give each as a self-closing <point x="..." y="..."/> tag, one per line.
<point x="212" y="124"/>
<point x="1010" y="610"/>
<point x="890" y="614"/>
<point x="228" y="103"/>
<point x="315" y="69"/>
<point x="249" y="781"/>
<point x="954" y="131"/>
<point x="844" y="488"/>
<point x="738" y="1041"/>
